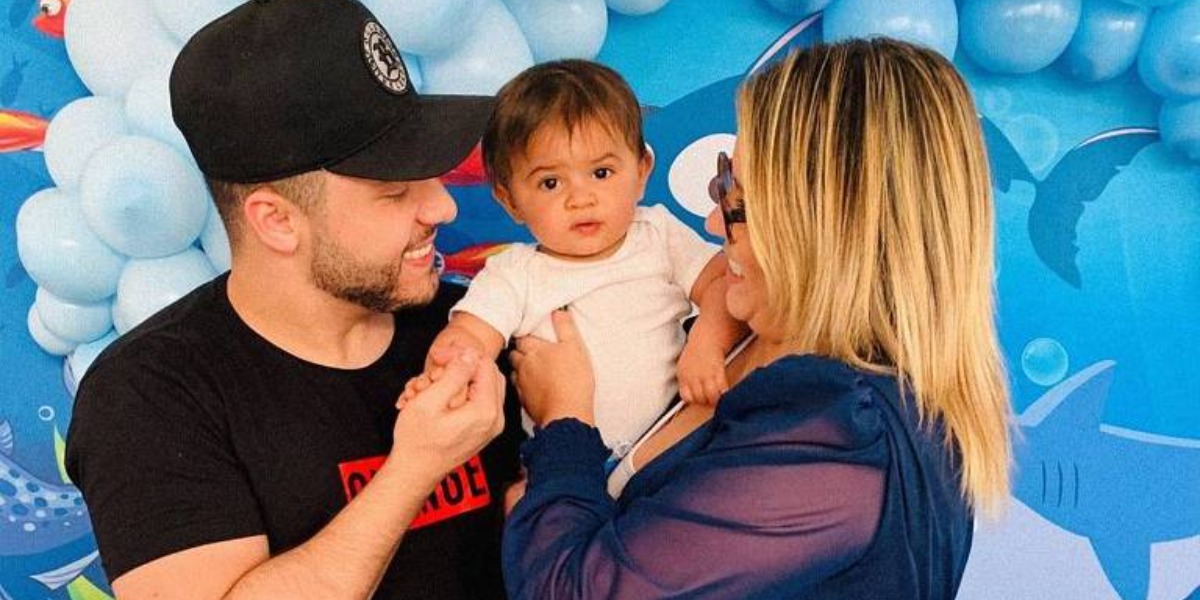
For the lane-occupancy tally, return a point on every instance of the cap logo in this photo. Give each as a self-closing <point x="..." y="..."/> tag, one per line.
<point x="383" y="59"/>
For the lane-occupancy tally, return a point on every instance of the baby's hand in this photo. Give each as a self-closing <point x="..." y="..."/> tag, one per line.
<point x="701" y="374"/>
<point x="436" y="362"/>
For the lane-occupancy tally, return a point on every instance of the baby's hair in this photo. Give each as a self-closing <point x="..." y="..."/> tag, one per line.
<point x="563" y="93"/>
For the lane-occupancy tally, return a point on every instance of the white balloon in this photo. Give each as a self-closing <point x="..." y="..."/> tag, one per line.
<point x="143" y="198"/>
<point x="215" y="242"/>
<point x="151" y="284"/>
<point x="112" y="43"/>
<point x="184" y="19"/>
<point x="636" y="7"/>
<point x="148" y="109"/>
<point x="73" y="321"/>
<point x="81" y="358"/>
<point x="558" y="29"/>
<point x="485" y="60"/>
<point x="60" y="251"/>
<point x="424" y="26"/>
<point x="76" y="132"/>
<point x="47" y="341"/>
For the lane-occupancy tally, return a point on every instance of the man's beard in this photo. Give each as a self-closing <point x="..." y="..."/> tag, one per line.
<point x="376" y="287"/>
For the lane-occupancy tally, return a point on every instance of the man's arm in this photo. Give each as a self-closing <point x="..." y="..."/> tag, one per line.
<point x="348" y="557"/>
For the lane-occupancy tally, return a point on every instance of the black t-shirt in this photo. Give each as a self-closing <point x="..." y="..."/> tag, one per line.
<point x="193" y="429"/>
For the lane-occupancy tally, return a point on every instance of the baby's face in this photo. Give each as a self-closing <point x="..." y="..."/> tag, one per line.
<point x="576" y="191"/>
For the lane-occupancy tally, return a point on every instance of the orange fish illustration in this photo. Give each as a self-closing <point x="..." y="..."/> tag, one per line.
<point x="52" y="15"/>
<point x="20" y="130"/>
<point x="469" y="172"/>
<point x="466" y="263"/>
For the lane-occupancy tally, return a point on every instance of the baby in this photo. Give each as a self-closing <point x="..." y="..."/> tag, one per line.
<point x="566" y="158"/>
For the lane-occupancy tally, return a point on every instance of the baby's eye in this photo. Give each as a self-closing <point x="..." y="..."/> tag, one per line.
<point x="603" y="173"/>
<point x="548" y="184"/>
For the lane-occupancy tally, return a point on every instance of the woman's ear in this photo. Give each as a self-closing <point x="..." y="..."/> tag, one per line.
<point x="273" y="220"/>
<point x="504" y="197"/>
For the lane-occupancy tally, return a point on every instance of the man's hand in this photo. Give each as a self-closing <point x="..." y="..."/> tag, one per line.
<point x="451" y="418"/>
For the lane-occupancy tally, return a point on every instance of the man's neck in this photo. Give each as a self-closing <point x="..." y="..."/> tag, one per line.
<point x="287" y="310"/>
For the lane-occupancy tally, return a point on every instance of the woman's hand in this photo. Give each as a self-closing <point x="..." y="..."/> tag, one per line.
<point x="555" y="379"/>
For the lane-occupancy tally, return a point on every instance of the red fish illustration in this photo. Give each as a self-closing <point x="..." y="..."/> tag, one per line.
<point x="466" y="263"/>
<point x="52" y="15"/>
<point x="469" y="172"/>
<point x="20" y="130"/>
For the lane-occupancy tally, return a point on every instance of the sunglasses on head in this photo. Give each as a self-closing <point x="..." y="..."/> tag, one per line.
<point x="719" y="188"/>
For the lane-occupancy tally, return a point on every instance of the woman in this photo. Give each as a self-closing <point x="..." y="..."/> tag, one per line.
<point x="869" y="417"/>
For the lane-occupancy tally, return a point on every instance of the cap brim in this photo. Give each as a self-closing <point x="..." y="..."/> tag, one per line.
<point x="430" y="139"/>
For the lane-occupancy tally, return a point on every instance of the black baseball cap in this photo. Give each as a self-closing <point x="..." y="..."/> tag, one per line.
<point x="276" y="88"/>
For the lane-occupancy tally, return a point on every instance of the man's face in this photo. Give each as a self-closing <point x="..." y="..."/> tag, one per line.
<point x="372" y="241"/>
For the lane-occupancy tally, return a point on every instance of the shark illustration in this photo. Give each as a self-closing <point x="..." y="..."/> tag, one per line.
<point x="1123" y="490"/>
<point x="1079" y="177"/>
<point x="45" y="531"/>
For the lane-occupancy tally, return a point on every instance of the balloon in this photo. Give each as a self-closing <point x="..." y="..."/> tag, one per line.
<point x="47" y="341"/>
<point x="215" y="242"/>
<point x="148" y="107"/>
<point x="635" y="8"/>
<point x="81" y="358"/>
<point x="1179" y="122"/>
<point x="1106" y="41"/>
<point x="1150" y="3"/>
<point x="113" y="42"/>
<point x="1017" y="36"/>
<point x="558" y="29"/>
<point x="932" y="23"/>
<point x="143" y="198"/>
<point x="799" y="8"/>
<point x="425" y="26"/>
<point x="150" y="284"/>
<point x="71" y="321"/>
<point x="485" y="60"/>
<point x="76" y="132"/>
<point x="413" y="65"/>
<point x="61" y="253"/>
<point x="1169" y="61"/>
<point x="184" y="19"/>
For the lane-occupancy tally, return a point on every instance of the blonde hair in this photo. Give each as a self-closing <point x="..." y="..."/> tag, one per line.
<point x="869" y="209"/>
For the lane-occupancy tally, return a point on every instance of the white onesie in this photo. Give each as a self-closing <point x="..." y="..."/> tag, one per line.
<point x="628" y="308"/>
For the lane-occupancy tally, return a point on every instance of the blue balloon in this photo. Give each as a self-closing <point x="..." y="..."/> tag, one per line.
<point x="44" y="338"/>
<point x="215" y="242"/>
<point x="148" y="285"/>
<point x="76" y="132"/>
<point x="1169" y="61"/>
<point x="148" y="108"/>
<point x="635" y="8"/>
<point x="1106" y="41"/>
<point x="558" y="29"/>
<point x="413" y="65"/>
<point x="143" y="198"/>
<point x="1150" y="3"/>
<point x="1179" y="122"/>
<point x="81" y="358"/>
<point x="798" y="8"/>
<point x="60" y="252"/>
<point x="485" y="59"/>
<point x="425" y="26"/>
<point x="1017" y="36"/>
<point x="72" y="321"/>
<point x="112" y="43"/>
<point x="932" y="23"/>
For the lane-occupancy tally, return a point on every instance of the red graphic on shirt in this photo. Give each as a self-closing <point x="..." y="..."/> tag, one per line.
<point x="465" y="489"/>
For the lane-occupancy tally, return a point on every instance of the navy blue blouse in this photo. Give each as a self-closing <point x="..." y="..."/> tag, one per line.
<point x="812" y="480"/>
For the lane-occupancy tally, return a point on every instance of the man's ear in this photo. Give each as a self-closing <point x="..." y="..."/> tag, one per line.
<point x="504" y="197"/>
<point x="273" y="220"/>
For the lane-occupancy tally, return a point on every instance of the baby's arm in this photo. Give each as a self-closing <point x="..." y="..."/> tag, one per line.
<point x="701" y="370"/>
<point x="465" y="330"/>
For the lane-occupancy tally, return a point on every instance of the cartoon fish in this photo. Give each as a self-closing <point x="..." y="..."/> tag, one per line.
<point x="52" y="16"/>
<point x="463" y="265"/>
<point x="45" y="530"/>
<point x="1079" y="474"/>
<point x="20" y="130"/>
<point x="469" y="172"/>
<point x="12" y="82"/>
<point x="1081" y="176"/>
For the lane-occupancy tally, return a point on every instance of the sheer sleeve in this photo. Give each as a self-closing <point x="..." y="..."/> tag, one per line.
<point x="732" y="521"/>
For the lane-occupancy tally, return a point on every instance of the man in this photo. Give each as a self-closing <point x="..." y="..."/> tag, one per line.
<point x="225" y="446"/>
